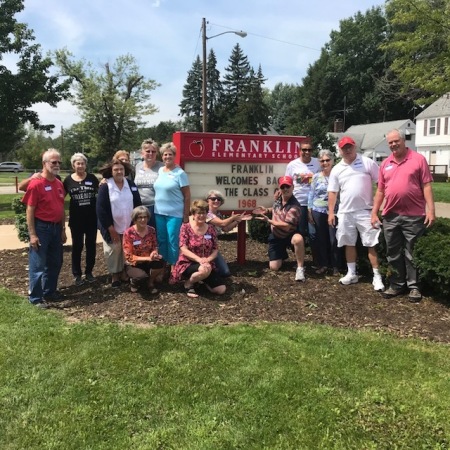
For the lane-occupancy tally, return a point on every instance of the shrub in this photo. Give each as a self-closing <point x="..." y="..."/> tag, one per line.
<point x="432" y="256"/>
<point x="259" y="230"/>
<point x="20" y="219"/>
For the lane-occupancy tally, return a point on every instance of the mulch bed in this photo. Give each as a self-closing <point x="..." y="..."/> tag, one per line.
<point x="254" y="294"/>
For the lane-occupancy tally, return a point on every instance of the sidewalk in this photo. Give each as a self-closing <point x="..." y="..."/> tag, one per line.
<point x="10" y="241"/>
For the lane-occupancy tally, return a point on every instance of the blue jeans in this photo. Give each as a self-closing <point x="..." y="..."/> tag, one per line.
<point x="45" y="263"/>
<point x="168" y="235"/>
<point x="221" y="266"/>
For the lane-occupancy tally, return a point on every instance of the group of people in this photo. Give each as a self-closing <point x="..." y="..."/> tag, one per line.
<point x="149" y="228"/>
<point x="330" y="207"/>
<point x="152" y="232"/>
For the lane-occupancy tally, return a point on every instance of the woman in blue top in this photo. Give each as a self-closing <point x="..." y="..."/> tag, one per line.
<point x="172" y="203"/>
<point x="324" y="246"/>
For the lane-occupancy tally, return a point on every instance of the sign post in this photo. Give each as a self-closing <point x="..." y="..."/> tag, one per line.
<point x="245" y="167"/>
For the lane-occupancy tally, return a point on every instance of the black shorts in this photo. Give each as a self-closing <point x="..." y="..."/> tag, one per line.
<point x="278" y="247"/>
<point x="213" y="280"/>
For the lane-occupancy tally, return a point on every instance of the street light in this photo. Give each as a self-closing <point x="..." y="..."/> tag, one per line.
<point x="241" y="34"/>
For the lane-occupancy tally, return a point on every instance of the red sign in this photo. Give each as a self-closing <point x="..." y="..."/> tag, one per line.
<point x="245" y="168"/>
<point x="221" y="147"/>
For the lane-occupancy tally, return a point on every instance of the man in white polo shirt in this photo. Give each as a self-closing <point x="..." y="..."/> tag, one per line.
<point x="353" y="180"/>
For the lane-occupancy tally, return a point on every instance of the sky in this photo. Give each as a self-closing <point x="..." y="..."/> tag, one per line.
<point x="283" y="36"/>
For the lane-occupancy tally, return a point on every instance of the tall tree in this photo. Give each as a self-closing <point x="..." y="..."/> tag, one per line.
<point x="111" y="103"/>
<point x="214" y="91"/>
<point x="32" y="147"/>
<point x="28" y="83"/>
<point x="191" y="104"/>
<point x="420" y="43"/>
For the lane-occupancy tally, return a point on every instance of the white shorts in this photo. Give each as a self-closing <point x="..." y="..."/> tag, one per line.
<point x="349" y="224"/>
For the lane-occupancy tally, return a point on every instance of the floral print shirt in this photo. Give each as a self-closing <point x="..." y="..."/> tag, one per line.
<point x="202" y="246"/>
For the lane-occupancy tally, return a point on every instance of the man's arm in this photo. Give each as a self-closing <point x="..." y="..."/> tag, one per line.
<point x="332" y="198"/>
<point x="430" y="214"/>
<point x="34" y="240"/>
<point x="377" y="201"/>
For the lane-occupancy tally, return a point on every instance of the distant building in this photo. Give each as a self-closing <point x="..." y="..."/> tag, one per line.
<point x="371" y="138"/>
<point x="433" y="138"/>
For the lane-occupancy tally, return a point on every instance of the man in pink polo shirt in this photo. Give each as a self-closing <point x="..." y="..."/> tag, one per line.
<point x="405" y="183"/>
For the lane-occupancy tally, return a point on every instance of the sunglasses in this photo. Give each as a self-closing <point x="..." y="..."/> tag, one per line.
<point x="307" y="149"/>
<point x="325" y="160"/>
<point x="285" y="186"/>
<point x="150" y="151"/>
<point x="215" y="199"/>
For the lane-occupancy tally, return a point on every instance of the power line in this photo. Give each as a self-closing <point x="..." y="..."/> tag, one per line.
<point x="269" y="38"/>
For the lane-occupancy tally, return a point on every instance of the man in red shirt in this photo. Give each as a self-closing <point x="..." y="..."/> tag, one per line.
<point x="46" y="228"/>
<point x="405" y="183"/>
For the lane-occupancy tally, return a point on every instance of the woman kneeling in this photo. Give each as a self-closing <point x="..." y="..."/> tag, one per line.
<point x="198" y="250"/>
<point x="141" y="252"/>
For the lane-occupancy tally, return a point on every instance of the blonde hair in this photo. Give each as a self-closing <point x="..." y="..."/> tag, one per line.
<point x="168" y="146"/>
<point x="199" y="206"/>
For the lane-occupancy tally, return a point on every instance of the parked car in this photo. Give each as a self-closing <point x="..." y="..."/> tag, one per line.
<point x="8" y="166"/>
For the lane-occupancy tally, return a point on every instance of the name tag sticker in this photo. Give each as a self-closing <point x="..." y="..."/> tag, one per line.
<point x="88" y="183"/>
<point x="207" y="236"/>
<point x="134" y="189"/>
<point x="48" y="188"/>
<point x="137" y="242"/>
<point x="389" y="167"/>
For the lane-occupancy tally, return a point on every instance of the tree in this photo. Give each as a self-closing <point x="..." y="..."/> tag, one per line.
<point x="28" y="83"/>
<point x="420" y="43"/>
<point x="280" y="100"/>
<point x="214" y="90"/>
<point x="30" y="151"/>
<point x="191" y="104"/>
<point x="111" y="103"/>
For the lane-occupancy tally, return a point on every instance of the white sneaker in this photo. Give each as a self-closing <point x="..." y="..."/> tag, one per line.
<point x="378" y="283"/>
<point x="350" y="278"/>
<point x="300" y="274"/>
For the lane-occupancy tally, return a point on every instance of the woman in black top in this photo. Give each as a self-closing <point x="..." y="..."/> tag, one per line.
<point x="82" y="188"/>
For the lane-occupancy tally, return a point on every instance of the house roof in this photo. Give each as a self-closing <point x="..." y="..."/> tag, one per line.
<point x="440" y="108"/>
<point x="370" y="135"/>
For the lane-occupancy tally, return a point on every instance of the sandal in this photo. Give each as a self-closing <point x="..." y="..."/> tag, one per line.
<point x="190" y="292"/>
<point x="133" y="286"/>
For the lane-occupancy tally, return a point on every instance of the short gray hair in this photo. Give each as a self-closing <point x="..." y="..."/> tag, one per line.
<point x="140" y="211"/>
<point x="401" y="133"/>
<point x="50" y="151"/>
<point x="76" y="157"/>
<point x="328" y="153"/>
<point x="215" y="193"/>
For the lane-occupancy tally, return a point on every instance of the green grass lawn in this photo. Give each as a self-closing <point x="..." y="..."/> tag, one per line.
<point x="107" y="386"/>
<point x="441" y="192"/>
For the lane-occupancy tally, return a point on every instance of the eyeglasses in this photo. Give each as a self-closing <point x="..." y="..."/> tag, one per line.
<point x="142" y="217"/>
<point x="325" y="160"/>
<point x="150" y="151"/>
<point x="307" y="149"/>
<point x="285" y="186"/>
<point x="53" y="163"/>
<point x="215" y="199"/>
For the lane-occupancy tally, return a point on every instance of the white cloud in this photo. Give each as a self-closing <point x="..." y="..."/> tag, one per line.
<point x="284" y="36"/>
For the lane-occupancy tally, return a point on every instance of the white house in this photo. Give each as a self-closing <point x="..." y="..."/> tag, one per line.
<point x="433" y="138"/>
<point x="371" y="138"/>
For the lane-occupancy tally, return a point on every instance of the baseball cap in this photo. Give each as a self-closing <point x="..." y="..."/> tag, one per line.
<point x="285" y="180"/>
<point x="345" y="141"/>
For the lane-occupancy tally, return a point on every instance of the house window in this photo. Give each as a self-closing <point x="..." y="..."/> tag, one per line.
<point x="432" y="127"/>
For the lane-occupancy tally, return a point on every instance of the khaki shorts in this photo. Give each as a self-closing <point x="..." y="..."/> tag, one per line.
<point x="350" y="224"/>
